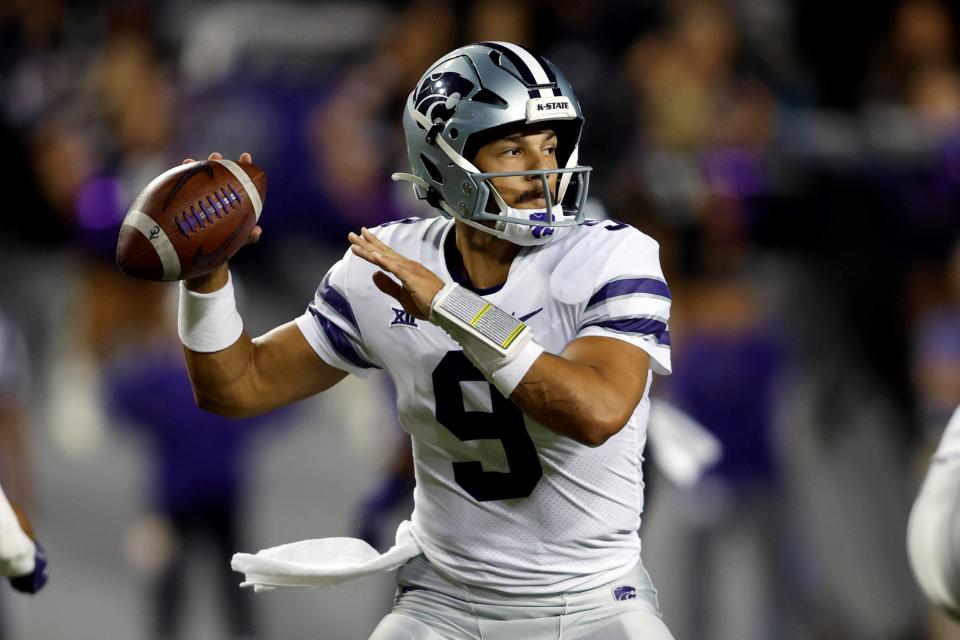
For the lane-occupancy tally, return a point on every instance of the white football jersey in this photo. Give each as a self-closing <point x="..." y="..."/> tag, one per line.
<point x="502" y="502"/>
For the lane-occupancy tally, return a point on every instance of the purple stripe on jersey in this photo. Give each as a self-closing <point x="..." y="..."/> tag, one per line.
<point x="628" y="286"/>
<point x="340" y="341"/>
<point x="333" y="298"/>
<point x="642" y="326"/>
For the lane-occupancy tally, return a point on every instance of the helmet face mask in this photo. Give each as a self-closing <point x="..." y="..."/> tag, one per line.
<point x="472" y="96"/>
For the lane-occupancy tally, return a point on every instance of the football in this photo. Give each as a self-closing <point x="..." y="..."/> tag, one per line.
<point x="191" y="219"/>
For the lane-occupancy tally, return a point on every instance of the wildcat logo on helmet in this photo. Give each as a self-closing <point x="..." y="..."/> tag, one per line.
<point x="478" y="91"/>
<point x="439" y="94"/>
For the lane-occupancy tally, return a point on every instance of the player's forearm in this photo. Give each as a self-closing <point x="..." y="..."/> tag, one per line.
<point x="588" y="393"/>
<point x="572" y="399"/>
<point x="250" y="377"/>
<point x="219" y="365"/>
<point x="209" y="282"/>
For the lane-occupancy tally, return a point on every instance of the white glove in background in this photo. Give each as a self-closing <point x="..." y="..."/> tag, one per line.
<point x="17" y="550"/>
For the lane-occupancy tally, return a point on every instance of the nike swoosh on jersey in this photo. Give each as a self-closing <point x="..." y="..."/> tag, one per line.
<point x="530" y="315"/>
<point x="201" y="259"/>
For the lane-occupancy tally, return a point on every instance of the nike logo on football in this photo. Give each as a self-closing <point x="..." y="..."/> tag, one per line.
<point x="530" y="315"/>
<point x="201" y="259"/>
<point x="189" y="173"/>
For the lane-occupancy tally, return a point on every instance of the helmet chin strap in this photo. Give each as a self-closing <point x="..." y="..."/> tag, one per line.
<point x="438" y="140"/>
<point x="565" y="178"/>
<point x="520" y="234"/>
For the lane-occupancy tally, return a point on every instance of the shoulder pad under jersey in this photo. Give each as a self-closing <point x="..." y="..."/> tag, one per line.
<point x="586" y="250"/>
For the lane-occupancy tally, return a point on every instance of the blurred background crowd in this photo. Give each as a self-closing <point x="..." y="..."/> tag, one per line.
<point x="798" y="161"/>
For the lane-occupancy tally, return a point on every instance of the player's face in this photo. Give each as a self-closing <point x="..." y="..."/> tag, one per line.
<point x="522" y="151"/>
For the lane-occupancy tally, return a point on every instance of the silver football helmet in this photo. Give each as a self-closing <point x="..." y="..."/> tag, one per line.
<point x="460" y="104"/>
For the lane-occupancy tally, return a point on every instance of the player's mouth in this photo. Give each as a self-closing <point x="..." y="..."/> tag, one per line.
<point x="532" y="200"/>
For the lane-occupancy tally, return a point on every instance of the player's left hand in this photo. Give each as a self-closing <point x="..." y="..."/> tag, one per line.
<point x="418" y="285"/>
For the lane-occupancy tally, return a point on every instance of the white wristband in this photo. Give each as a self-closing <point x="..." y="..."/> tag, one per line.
<point x="209" y="322"/>
<point x="500" y="346"/>
<point x="507" y="377"/>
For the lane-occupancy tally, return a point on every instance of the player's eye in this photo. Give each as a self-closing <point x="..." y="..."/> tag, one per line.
<point x="512" y="151"/>
<point x="550" y="150"/>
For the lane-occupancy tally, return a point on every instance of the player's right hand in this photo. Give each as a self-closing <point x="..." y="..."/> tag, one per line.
<point x="418" y="285"/>
<point x="217" y="278"/>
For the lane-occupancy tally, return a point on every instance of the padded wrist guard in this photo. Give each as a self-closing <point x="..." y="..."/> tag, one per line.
<point x="500" y="345"/>
<point x="455" y="305"/>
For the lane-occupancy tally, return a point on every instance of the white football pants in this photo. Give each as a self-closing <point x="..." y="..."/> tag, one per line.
<point x="430" y="606"/>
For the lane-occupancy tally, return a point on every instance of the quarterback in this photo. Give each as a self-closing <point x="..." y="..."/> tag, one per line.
<point x="521" y="338"/>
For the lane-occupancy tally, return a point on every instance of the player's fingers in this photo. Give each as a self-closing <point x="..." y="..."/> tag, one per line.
<point x="367" y="253"/>
<point x="378" y="244"/>
<point x="370" y="237"/>
<point x="188" y="161"/>
<point x="388" y="263"/>
<point x="360" y="243"/>
<point x="246" y="157"/>
<point x="382" y="256"/>
<point x="216" y="155"/>
<point x="400" y="264"/>
<point x="255" y="234"/>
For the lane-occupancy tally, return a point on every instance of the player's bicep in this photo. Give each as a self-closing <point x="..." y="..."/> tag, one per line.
<point x="622" y="366"/>
<point x="288" y="368"/>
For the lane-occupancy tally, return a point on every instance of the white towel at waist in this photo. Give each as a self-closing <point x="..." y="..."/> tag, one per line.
<point x="322" y="562"/>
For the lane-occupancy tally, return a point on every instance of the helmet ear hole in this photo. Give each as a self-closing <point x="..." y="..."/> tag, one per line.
<point x="431" y="169"/>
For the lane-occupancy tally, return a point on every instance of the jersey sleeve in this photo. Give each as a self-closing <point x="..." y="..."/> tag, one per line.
<point x="330" y="324"/>
<point x="631" y="301"/>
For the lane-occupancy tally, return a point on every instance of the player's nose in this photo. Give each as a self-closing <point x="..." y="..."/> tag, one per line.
<point x="537" y="162"/>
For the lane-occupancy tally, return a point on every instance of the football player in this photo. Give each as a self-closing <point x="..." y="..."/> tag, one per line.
<point x="933" y="533"/>
<point x="521" y="338"/>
